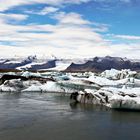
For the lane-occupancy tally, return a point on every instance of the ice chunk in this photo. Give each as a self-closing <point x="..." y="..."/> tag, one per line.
<point x="27" y="74"/>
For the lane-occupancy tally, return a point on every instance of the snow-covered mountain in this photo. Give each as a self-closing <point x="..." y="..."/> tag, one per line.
<point x="98" y="64"/>
<point x="13" y="63"/>
<point x="34" y="63"/>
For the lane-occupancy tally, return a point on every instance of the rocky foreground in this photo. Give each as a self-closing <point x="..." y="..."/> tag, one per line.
<point x="112" y="88"/>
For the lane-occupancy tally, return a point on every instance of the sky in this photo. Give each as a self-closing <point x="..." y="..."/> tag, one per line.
<point x="70" y="28"/>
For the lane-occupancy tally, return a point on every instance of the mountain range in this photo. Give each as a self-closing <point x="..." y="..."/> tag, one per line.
<point x="96" y="64"/>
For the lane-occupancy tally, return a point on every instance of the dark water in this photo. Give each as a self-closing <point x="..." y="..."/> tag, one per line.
<point x="34" y="116"/>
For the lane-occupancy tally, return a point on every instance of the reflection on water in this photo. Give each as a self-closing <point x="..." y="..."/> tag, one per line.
<point x="125" y="116"/>
<point x="88" y="107"/>
<point x="41" y="116"/>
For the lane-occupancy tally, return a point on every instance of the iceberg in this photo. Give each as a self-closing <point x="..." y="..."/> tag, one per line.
<point x="112" y="97"/>
<point x="28" y="74"/>
<point x="118" y="89"/>
<point x="118" y="74"/>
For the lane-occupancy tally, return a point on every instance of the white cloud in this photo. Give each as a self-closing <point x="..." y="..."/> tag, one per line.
<point x="44" y="11"/>
<point x="16" y="17"/>
<point x="126" y="50"/>
<point x="127" y="37"/>
<point x="48" y="10"/>
<point x="71" y="18"/>
<point x="7" y="4"/>
<point x="70" y="37"/>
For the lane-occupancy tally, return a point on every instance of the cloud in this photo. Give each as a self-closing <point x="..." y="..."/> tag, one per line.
<point x="7" y="4"/>
<point x="127" y="37"/>
<point x="126" y="50"/>
<point x="44" y="11"/>
<point x="14" y="17"/>
<point x="70" y="18"/>
<point x="110" y="5"/>
<point x="71" y="36"/>
<point x="48" y="10"/>
<point x="77" y="19"/>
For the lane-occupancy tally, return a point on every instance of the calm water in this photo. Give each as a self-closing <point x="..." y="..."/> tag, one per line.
<point x="34" y="116"/>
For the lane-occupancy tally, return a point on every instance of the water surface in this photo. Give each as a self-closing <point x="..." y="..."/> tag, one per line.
<point x="47" y="116"/>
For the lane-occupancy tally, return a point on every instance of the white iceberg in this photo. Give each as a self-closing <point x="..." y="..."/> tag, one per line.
<point x="118" y="74"/>
<point x="28" y="74"/>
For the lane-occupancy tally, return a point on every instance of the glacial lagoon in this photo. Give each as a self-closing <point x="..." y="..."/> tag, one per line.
<point x="51" y="116"/>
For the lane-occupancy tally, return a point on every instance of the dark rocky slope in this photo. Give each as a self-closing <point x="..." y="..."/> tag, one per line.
<point x="100" y="64"/>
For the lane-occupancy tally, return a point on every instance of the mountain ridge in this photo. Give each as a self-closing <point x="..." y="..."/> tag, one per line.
<point x="98" y="64"/>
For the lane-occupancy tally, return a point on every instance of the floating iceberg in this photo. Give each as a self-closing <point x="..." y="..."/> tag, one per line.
<point x="28" y="74"/>
<point x="118" y="74"/>
<point x="112" y="97"/>
<point x="112" y="88"/>
<point x="119" y="90"/>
